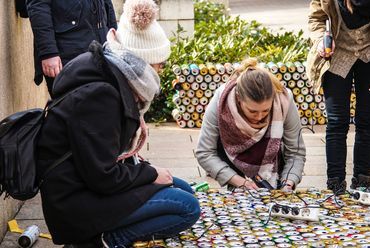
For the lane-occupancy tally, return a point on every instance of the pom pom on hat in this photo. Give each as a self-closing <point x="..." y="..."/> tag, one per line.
<point x="140" y="13"/>
<point x="139" y="31"/>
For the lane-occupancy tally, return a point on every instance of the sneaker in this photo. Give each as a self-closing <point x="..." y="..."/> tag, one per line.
<point x="336" y="185"/>
<point x="360" y="181"/>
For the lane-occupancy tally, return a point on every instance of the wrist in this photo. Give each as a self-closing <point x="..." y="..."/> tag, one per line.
<point x="246" y="181"/>
<point x="48" y="56"/>
<point x="288" y="183"/>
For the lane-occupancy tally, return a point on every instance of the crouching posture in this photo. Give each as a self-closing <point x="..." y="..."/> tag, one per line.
<point x="102" y="195"/>
<point x="249" y="123"/>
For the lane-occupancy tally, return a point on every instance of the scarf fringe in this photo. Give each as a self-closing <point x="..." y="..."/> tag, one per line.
<point x="137" y="142"/>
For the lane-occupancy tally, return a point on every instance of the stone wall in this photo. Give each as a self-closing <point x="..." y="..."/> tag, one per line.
<point x="17" y="89"/>
<point x="177" y="12"/>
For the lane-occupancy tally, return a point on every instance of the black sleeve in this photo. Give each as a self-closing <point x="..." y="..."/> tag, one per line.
<point x="41" y="20"/>
<point x="94" y="132"/>
<point x="111" y="16"/>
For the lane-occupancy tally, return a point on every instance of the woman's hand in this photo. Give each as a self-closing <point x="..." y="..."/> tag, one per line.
<point x="321" y="50"/>
<point x="240" y="182"/>
<point x="249" y="184"/>
<point x="288" y="186"/>
<point x="164" y="176"/>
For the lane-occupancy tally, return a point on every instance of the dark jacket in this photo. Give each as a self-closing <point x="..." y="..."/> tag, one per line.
<point x="67" y="27"/>
<point x="90" y="193"/>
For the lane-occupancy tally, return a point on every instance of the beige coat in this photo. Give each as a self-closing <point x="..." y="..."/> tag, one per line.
<point x="320" y="11"/>
<point x="351" y="44"/>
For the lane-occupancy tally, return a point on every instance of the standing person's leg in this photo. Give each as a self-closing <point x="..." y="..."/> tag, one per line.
<point x="168" y="212"/>
<point x="49" y="82"/>
<point x="361" y="152"/>
<point x="337" y="91"/>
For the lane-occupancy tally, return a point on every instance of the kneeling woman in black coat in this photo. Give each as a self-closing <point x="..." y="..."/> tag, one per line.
<point x="102" y="192"/>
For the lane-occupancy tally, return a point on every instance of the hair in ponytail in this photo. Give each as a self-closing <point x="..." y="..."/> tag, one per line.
<point x="254" y="82"/>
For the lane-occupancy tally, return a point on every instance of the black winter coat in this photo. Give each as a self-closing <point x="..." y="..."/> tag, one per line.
<point x="90" y="192"/>
<point x="67" y="27"/>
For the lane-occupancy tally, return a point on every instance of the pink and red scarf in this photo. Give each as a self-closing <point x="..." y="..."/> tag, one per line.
<point x="252" y="150"/>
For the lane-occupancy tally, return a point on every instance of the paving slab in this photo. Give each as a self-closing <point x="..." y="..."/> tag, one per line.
<point x="291" y="15"/>
<point x="169" y="162"/>
<point x="31" y="210"/>
<point x="10" y="240"/>
<point x="318" y="182"/>
<point x="30" y="214"/>
<point x="320" y="169"/>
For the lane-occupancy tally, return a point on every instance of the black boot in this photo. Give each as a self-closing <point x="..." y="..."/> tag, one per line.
<point x="360" y="181"/>
<point x="336" y="185"/>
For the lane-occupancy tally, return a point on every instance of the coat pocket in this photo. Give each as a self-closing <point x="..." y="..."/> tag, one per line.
<point x="9" y="164"/>
<point x="67" y="19"/>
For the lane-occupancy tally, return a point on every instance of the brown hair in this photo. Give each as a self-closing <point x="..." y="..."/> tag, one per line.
<point x="255" y="83"/>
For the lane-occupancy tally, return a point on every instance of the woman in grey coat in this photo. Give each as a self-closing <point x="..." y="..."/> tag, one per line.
<point x="249" y="123"/>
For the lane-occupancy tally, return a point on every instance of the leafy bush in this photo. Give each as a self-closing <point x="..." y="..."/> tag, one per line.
<point x="207" y="11"/>
<point x="219" y="38"/>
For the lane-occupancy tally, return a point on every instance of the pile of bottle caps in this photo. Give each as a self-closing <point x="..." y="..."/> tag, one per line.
<point x="241" y="218"/>
<point x="195" y="86"/>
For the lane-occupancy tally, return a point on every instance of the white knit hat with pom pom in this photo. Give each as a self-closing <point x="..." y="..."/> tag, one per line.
<point x="139" y="32"/>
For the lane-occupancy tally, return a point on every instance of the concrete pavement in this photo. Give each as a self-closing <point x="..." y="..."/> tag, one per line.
<point x="292" y="15"/>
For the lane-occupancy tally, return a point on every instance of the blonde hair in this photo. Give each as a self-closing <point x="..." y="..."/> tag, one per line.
<point x="254" y="82"/>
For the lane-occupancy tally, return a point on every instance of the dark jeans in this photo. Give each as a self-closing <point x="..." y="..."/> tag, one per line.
<point x="168" y="212"/>
<point x="337" y="91"/>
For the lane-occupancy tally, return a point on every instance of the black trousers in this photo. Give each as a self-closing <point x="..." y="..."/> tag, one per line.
<point x="49" y="82"/>
<point x="337" y="91"/>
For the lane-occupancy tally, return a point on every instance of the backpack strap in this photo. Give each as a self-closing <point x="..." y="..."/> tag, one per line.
<point x="52" y="103"/>
<point x="55" y="164"/>
<point x="49" y="105"/>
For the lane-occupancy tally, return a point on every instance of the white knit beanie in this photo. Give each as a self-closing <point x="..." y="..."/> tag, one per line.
<point x="139" y="32"/>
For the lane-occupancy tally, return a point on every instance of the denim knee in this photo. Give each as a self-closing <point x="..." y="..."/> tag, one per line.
<point x="181" y="184"/>
<point x="194" y="211"/>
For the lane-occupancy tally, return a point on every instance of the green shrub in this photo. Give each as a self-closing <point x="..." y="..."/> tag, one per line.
<point x="207" y="11"/>
<point x="219" y="38"/>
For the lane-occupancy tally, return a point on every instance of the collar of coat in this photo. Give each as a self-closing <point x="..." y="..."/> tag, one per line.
<point x="330" y="8"/>
<point x="91" y="67"/>
<point x="114" y="76"/>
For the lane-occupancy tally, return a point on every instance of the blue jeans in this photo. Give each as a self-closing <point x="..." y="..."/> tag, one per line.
<point x="170" y="211"/>
<point x="337" y="91"/>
